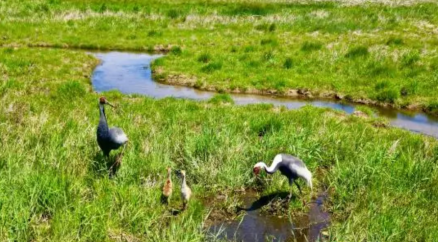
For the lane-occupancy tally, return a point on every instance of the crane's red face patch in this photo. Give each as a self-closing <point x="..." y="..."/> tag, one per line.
<point x="256" y="170"/>
<point x="102" y="100"/>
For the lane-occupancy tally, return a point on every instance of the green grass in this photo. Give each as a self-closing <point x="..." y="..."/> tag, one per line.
<point x="53" y="181"/>
<point x="54" y="184"/>
<point x="221" y="98"/>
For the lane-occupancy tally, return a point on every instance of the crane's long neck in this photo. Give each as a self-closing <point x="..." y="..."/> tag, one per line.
<point x="274" y="166"/>
<point x="103" y="125"/>
<point x="184" y="184"/>
<point x="272" y="169"/>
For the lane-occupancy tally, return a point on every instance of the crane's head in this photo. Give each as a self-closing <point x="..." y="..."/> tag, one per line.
<point x="102" y="100"/>
<point x="169" y="170"/>
<point x="257" y="168"/>
<point x="183" y="173"/>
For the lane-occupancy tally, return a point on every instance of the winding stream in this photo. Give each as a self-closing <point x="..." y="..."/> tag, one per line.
<point x="130" y="73"/>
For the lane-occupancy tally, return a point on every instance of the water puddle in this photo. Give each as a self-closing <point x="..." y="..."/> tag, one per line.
<point x="259" y="224"/>
<point x="130" y="73"/>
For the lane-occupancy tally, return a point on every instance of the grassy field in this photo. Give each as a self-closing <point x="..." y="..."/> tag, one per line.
<point x="53" y="180"/>
<point x="54" y="185"/>
<point x="383" y="52"/>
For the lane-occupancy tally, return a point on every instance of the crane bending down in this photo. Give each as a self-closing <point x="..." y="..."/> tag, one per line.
<point x="290" y="166"/>
<point x="108" y="138"/>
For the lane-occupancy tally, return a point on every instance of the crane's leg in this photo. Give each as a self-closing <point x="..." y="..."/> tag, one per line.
<point x="107" y="157"/>
<point x="289" y="197"/>
<point x="124" y="146"/>
<point x="112" y="166"/>
<point x="299" y="188"/>
<point x="304" y="203"/>
<point x="119" y="157"/>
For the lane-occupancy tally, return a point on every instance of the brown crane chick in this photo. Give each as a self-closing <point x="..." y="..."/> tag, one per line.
<point x="186" y="193"/>
<point x="167" y="188"/>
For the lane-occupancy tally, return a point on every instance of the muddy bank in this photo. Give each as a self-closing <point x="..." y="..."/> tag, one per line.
<point x="156" y="49"/>
<point x="269" y="218"/>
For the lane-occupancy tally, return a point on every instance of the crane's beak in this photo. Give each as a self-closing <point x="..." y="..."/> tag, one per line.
<point x="109" y="104"/>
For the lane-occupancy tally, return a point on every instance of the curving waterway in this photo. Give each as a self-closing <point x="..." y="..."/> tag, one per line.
<point x="130" y="73"/>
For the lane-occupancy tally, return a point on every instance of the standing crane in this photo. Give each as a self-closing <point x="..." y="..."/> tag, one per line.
<point x="108" y="138"/>
<point x="290" y="166"/>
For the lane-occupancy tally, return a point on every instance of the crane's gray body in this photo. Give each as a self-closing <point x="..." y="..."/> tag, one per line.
<point x="288" y="167"/>
<point x="109" y="138"/>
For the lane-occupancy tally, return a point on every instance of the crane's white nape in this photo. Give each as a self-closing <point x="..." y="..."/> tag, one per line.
<point x="260" y="165"/>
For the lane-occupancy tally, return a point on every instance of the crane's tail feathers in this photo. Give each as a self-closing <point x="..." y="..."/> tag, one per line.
<point x="308" y="178"/>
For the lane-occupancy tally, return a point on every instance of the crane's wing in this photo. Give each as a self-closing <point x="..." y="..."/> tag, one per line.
<point x="292" y="160"/>
<point x="118" y="136"/>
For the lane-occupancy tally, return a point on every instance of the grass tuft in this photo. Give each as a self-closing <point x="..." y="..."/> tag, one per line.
<point x="270" y="41"/>
<point x="395" y="41"/>
<point x="221" y="98"/>
<point x="410" y="58"/>
<point x="310" y="46"/>
<point x="268" y="55"/>
<point x="204" y="57"/>
<point x="175" y="50"/>
<point x="173" y="14"/>
<point x="154" y="33"/>
<point x="212" y="67"/>
<point x="358" y="51"/>
<point x="288" y="63"/>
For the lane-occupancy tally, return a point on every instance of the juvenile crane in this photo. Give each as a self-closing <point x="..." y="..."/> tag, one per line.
<point x="108" y="138"/>
<point x="290" y="166"/>
<point x="186" y="192"/>
<point x="167" y="188"/>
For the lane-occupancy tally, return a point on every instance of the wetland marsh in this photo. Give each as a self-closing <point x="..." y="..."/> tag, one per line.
<point x="380" y="181"/>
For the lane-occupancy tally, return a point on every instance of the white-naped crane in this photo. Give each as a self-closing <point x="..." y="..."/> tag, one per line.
<point x="290" y="166"/>
<point x="108" y="138"/>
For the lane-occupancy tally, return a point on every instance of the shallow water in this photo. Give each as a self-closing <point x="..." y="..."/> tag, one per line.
<point x="256" y="225"/>
<point x="130" y="73"/>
